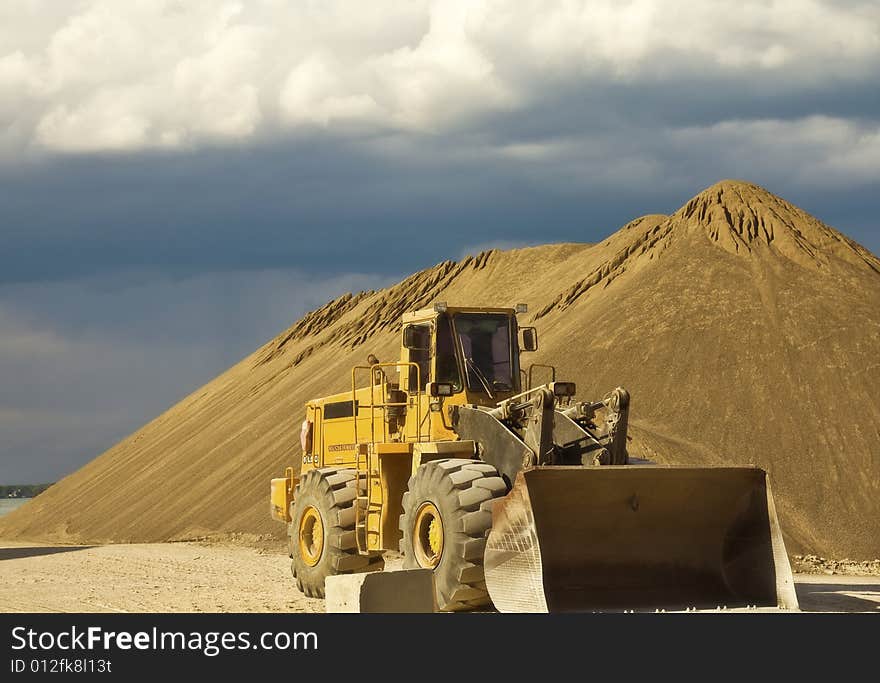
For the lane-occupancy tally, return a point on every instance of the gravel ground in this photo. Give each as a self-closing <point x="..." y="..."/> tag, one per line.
<point x="226" y="577"/>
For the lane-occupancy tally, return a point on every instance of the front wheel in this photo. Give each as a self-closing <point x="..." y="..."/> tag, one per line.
<point x="446" y="516"/>
<point x="322" y="534"/>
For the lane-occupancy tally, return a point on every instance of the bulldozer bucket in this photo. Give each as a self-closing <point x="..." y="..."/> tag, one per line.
<point x="637" y="537"/>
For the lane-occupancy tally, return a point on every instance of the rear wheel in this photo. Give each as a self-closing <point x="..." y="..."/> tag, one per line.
<point x="321" y="534"/>
<point x="446" y="516"/>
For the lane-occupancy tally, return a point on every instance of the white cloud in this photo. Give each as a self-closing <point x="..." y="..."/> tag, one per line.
<point x="109" y="121"/>
<point x="101" y="75"/>
<point x="820" y="151"/>
<point x="809" y="151"/>
<point x="315" y="92"/>
<point x="446" y="76"/>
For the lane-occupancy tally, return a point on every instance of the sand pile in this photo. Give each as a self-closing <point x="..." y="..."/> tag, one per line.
<point x="746" y="330"/>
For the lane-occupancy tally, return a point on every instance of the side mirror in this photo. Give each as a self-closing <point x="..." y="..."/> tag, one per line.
<point x="417" y="338"/>
<point x="440" y="389"/>
<point x="528" y="339"/>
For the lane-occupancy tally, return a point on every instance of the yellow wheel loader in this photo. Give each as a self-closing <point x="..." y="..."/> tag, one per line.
<point x="514" y="493"/>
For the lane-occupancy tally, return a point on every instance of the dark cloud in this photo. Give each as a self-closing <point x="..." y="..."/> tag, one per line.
<point x="128" y="278"/>
<point x="336" y="207"/>
<point x="136" y="279"/>
<point x="86" y="362"/>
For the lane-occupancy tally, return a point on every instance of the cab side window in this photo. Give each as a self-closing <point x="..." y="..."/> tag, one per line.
<point x="447" y="365"/>
<point x="421" y="336"/>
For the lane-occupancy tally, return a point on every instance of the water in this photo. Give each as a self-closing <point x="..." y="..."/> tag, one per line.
<point x="9" y="504"/>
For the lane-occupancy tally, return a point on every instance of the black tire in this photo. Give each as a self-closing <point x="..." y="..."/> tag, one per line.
<point x="462" y="491"/>
<point x="331" y="493"/>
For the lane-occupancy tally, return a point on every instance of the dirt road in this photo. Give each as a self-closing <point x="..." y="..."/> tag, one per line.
<point x="203" y="577"/>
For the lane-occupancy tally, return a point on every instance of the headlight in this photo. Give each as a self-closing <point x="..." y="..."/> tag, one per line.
<point x="564" y="388"/>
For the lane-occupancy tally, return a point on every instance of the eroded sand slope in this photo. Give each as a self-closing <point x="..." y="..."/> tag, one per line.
<point x="746" y="330"/>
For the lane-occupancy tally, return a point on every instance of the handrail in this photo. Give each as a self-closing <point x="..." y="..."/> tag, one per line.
<point x="360" y="522"/>
<point x="511" y="399"/>
<point x="372" y="405"/>
<point x="541" y="365"/>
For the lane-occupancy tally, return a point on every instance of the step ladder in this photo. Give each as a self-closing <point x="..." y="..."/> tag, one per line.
<point x="362" y="499"/>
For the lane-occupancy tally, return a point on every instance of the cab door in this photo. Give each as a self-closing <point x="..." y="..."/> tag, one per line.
<point x="418" y="348"/>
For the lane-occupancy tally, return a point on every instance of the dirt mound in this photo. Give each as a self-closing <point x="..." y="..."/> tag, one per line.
<point x="746" y="330"/>
<point x="741" y="217"/>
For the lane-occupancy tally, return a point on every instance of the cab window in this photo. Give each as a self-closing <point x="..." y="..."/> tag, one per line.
<point x="446" y="361"/>
<point x="420" y="356"/>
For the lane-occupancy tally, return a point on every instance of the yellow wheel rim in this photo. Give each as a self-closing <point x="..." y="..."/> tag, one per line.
<point x="428" y="536"/>
<point x="311" y="536"/>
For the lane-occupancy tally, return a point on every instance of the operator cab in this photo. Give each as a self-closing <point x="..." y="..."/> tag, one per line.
<point x="467" y="351"/>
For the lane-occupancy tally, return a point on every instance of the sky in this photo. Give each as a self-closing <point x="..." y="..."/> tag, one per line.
<point x="181" y="180"/>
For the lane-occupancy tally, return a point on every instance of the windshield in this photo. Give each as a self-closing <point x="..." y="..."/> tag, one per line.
<point x="447" y="365"/>
<point x="484" y="341"/>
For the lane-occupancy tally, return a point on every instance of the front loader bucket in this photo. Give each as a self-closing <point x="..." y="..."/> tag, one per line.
<point x="637" y="537"/>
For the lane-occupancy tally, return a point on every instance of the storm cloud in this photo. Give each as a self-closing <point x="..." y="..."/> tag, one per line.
<point x="179" y="181"/>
